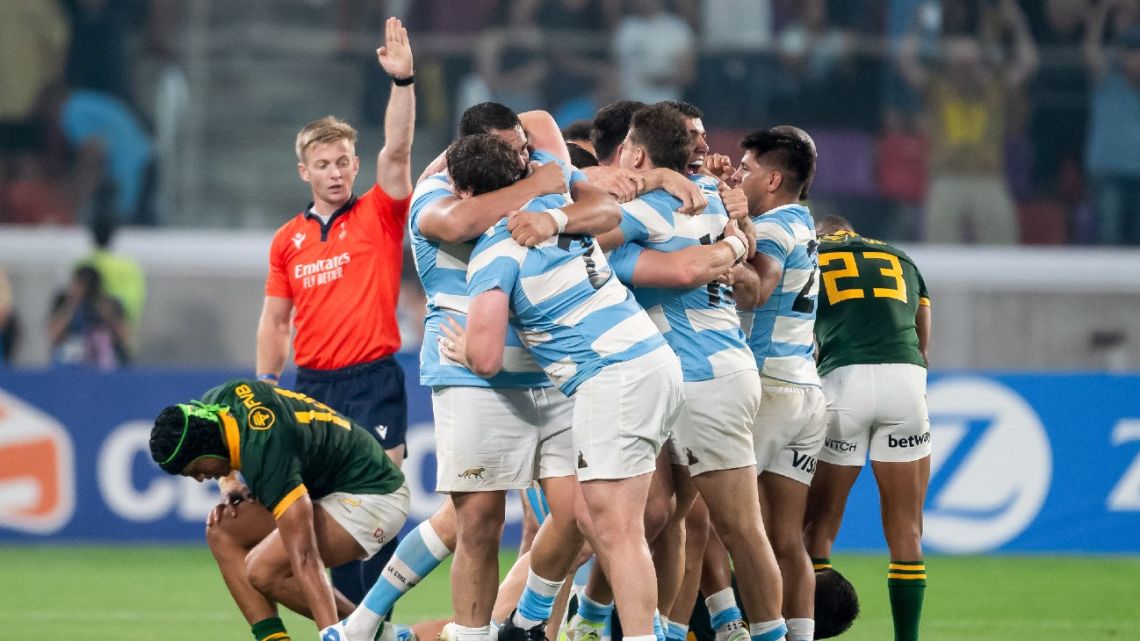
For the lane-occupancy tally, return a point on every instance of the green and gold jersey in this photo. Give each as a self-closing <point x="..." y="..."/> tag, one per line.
<point x="869" y="295"/>
<point x="286" y="445"/>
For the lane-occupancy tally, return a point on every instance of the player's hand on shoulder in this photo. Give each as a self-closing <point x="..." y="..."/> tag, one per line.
<point x="622" y="184"/>
<point x="529" y="228"/>
<point x="680" y="187"/>
<point x="395" y="55"/>
<point x="548" y="178"/>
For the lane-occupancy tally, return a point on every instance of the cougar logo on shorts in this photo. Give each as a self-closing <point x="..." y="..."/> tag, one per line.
<point x="472" y="473"/>
<point x="692" y="460"/>
<point x="992" y="468"/>
<point x="582" y="461"/>
<point x="37" y="472"/>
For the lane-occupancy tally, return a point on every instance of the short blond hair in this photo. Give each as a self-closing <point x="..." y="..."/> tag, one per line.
<point x="323" y="131"/>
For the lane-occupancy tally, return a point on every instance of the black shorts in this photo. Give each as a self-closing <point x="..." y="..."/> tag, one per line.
<point x="371" y="394"/>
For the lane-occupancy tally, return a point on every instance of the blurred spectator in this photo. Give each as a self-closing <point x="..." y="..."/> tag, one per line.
<point x="1113" y="156"/>
<point x="1060" y="91"/>
<point x="111" y="145"/>
<point x="122" y="276"/>
<point x="656" y="53"/>
<point x="7" y="319"/>
<point x="511" y="63"/>
<point x="820" y="79"/>
<point x="86" y="326"/>
<point x="33" y="44"/>
<point x="735" y="38"/>
<point x="581" y="78"/>
<point x="101" y="34"/>
<point x="967" y="100"/>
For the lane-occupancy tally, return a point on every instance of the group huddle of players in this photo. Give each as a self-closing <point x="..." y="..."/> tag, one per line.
<point x="690" y="367"/>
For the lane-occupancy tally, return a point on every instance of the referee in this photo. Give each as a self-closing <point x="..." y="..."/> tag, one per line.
<point x="334" y="279"/>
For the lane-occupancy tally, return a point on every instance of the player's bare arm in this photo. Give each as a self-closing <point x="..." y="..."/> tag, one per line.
<point x="274" y="330"/>
<point x="543" y="134"/>
<point x="692" y="266"/>
<point x="745" y="286"/>
<point x="592" y="212"/>
<point x="394" y="164"/>
<point x="768" y="273"/>
<point x="300" y="539"/>
<point x="480" y="347"/>
<point x="456" y="220"/>
<point x="922" y="323"/>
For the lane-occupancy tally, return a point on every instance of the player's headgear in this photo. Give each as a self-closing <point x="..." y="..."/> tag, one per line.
<point x="185" y="432"/>
<point x="836" y="603"/>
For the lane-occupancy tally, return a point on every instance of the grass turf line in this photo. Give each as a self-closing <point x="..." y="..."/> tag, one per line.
<point x="176" y="594"/>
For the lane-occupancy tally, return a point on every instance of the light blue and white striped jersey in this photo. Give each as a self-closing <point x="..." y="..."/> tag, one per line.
<point x="700" y="324"/>
<point x="571" y="312"/>
<point x="780" y="331"/>
<point x="442" y="268"/>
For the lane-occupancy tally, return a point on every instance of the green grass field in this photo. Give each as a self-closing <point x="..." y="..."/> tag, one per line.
<point x="175" y="594"/>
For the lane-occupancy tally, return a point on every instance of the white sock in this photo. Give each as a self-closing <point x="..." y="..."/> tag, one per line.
<point x="801" y="629"/>
<point x="644" y="637"/>
<point x="767" y="630"/>
<point x="464" y="633"/>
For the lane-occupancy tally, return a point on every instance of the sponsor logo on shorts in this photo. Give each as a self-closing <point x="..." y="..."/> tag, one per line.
<point x="841" y="446"/>
<point x="472" y="473"/>
<point x="908" y="441"/>
<point x="803" y="462"/>
<point x="348" y="503"/>
<point x="380" y="535"/>
<point x="582" y="461"/>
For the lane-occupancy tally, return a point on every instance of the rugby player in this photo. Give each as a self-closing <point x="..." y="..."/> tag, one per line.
<point x="697" y="315"/>
<point x="776" y="165"/>
<point x="873" y="330"/>
<point x="321" y="492"/>
<point x="600" y="348"/>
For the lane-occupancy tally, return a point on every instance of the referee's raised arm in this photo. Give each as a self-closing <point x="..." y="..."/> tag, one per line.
<point x="394" y="165"/>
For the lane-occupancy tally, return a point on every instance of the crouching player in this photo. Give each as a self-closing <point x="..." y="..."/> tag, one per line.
<point x="321" y="492"/>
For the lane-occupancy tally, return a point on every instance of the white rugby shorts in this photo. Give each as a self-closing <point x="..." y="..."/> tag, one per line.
<point x="500" y="439"/>
<point x="714" y="431"/>
<point x="879" y="410"/>
<point x="371" y="519"/>
<point x="788" y="431"/>
<point x="623" y="415"/>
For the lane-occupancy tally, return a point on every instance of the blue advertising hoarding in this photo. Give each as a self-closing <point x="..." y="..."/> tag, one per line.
<point x="1022" y="462"/>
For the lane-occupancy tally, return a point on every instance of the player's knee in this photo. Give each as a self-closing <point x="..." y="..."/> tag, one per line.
<point x="481" y="531"/>
<point x="658" y="513"/>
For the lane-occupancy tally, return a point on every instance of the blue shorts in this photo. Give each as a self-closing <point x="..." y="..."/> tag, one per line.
<point x="371" y="394"/>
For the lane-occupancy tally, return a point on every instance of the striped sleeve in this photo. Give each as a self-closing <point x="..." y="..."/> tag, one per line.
<point x="495" y="264"/>
<point x="774" y="239"/>
<point x="623" y="260"/>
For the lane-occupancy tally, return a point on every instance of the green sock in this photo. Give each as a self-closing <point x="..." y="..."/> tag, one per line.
<point x="906" y="585"/>
<point x="820" y="564"/>
<point x="271" y="629"/>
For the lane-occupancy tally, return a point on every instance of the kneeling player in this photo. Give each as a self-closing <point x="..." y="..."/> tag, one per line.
<point x="321" y="492"/>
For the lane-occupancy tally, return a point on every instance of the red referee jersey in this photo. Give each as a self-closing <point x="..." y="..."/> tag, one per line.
<point x="343" y="279"/>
